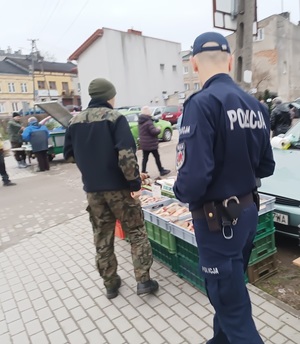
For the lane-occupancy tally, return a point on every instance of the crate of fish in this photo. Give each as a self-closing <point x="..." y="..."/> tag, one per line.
<point x="147" y="199"/>
<point x="162" y="213"/>
<point x="184" y="229"/>
<point x="267" y="204"/>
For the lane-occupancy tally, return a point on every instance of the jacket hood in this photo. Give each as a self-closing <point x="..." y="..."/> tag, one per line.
<point x="144" y="118"/>
<point x="35" y="124"/>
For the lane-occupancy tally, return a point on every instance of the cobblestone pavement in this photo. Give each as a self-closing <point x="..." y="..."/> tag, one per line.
<point x="51" y="293"/>
<point x="39" y="200"/>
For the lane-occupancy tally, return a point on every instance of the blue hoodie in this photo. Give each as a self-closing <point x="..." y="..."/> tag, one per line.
<point x="37" y="135"/>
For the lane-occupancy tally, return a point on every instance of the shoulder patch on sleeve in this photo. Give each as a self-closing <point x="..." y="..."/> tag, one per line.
<point x="187" y="131"/>
<point x="180" y="155"/>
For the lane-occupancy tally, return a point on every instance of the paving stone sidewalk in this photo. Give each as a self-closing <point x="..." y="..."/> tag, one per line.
<point x="51" y="293"/>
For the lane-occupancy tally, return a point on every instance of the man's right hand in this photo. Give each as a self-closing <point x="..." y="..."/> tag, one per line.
<point x="136" y="194"/>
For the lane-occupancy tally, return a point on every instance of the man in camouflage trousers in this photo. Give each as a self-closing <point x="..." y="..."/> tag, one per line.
<point x="99" y="140"/>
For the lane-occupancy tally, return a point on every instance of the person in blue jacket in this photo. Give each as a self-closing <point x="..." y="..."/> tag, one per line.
<point x="224" y="148"/>
<point x="38" y="135"/>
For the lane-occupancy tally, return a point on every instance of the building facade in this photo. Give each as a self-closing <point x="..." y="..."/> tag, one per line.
<point x="20" y="88"/>
<point x="144" y="70"/>
<point x="16" y="88"/>
<point x="276" y="57"/>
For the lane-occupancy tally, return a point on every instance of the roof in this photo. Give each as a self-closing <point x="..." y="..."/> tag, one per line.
<point x="9" y="68"/>
<point x="46" y="66"/>
<point x="98" y="33"/>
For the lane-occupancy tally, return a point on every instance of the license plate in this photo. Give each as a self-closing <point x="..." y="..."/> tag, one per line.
<point x="169" y="116"/>
<point x="281" y="218"/>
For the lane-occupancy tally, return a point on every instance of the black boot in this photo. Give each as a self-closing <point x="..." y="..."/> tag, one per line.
<point x="111" y="293"/>
<point x="8" y="183"/>
<point x="147" y="287"/>
<point x="163" y="172"/>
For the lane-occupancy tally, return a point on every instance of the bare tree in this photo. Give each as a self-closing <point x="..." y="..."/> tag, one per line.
<point x="259" y="76"/>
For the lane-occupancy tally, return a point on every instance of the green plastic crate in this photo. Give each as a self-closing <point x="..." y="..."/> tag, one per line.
<point x="161" y="236"/>
<point x="264" y="246"/>
<point x="164" y="256"/>
<point x="265" y="223"/>
<point x="188" y="264"/>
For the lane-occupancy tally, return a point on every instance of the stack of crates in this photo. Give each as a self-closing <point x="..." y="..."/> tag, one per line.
<point x="263" y="263"/>
<point x="177" y="249"/>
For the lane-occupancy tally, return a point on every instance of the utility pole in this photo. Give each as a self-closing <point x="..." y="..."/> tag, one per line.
<point x="244" y="42"/>
<point x="33" y="56"/>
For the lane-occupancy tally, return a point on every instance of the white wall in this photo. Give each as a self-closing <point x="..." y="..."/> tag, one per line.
<point x="132" y="63"/>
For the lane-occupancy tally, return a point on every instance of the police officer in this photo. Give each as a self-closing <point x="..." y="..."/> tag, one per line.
<point x="224" y="145"/>
<point x="99" y="140"/>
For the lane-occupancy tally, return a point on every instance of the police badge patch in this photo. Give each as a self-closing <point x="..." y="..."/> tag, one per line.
<point x="180" y="155"/>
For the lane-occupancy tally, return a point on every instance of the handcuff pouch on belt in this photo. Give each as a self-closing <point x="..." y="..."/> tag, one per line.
<point x="228" y="212"/>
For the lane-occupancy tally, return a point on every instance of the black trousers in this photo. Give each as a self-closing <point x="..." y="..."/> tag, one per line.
<point x="43" y="161"/>
<point x="19" y="155"/>
<point x="3" y="173"/>
<point x="156" y="157"/>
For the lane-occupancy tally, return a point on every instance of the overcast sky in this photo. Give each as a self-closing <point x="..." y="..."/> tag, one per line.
<point x="61" y="26"/>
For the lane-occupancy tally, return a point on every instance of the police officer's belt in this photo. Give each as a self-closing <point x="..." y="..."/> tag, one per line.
<point x="217" y="208"/>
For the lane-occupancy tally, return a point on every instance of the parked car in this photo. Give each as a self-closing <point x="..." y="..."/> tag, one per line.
<point x="123" y="109"/>
<point x="171" y="113"/>
<point x="284" y="184"/>
<point x="133" y="117"/>
<point x="157" y="111"/>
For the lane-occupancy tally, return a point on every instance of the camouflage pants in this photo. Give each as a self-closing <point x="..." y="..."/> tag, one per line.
<point x="104" y="208"/>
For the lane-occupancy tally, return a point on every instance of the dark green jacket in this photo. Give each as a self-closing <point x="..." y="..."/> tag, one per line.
<point x="14" y="131"/>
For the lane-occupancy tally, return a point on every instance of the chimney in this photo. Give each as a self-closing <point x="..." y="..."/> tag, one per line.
<point x="135" y="32"/>
<point x="285" y="15"/>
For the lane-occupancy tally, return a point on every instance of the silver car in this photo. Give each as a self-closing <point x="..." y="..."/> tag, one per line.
<point x="284" y="184"/>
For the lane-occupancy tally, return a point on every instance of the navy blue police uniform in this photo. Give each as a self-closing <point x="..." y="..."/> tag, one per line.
<point x="224" y="145"/>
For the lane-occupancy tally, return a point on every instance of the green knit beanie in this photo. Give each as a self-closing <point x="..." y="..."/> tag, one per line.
<point x="102" y="89"/>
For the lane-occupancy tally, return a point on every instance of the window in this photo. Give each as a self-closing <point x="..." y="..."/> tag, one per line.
<point x="186" y="87"/>
<point x="65" y="86"/>
<point x="162" y="66"/>
<point x="185" y="69"/>
<point x="78" y="88"/>
<point x="174" y="68"/>
<point x="41" y="85"/>
<point x="23" y="87"/>
<point x="52" y="85"/>
<point x="15" y="106"/>
<point x="196" y="86"/>
<point x="259" y="36"/>
<point x="11" y="87"/>
<point x="2" y="107"/>
<point x="0" y="88"/>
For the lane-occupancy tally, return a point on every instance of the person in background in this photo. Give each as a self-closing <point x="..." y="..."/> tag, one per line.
<point x="149" y="141"/>
<point x="99" y="140"/>
<point x="280" y="118"/>
<point x="38" y="135"/>
<point x="220" y="154"/>
<point x="3" y="173"/>
<point x="14" y="129"/>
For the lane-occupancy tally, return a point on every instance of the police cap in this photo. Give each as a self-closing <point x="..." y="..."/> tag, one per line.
<point x="210" y="37"/>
